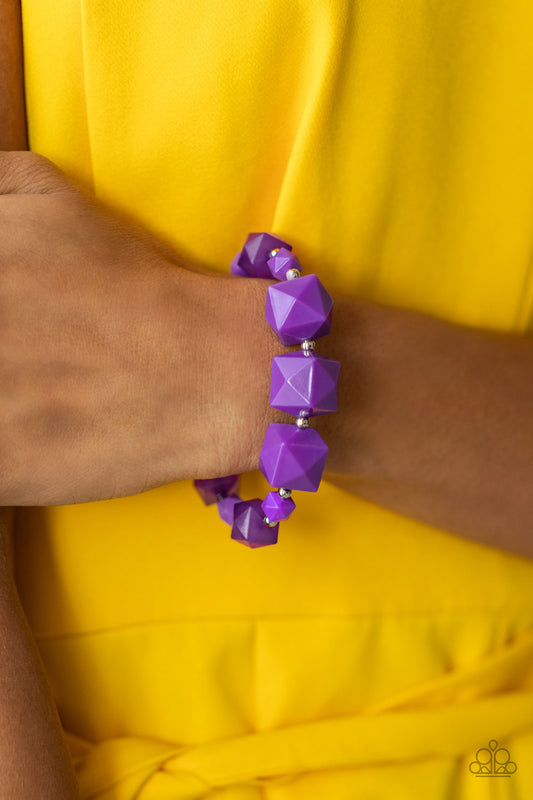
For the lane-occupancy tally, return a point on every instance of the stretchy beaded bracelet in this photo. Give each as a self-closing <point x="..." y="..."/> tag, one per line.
<point x="303" y="384"/>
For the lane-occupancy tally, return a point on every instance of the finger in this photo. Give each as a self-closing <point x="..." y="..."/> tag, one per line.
<point x="23" y="172"/>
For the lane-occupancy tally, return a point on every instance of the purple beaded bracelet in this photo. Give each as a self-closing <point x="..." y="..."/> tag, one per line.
<point x="304" y="384"/>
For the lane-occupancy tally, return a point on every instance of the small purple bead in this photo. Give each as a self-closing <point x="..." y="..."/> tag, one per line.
<point x="256" y="252"/>
<point x="293" y="457"/>
<point x="226" y="508"/>
<point x="283" y="261"/>
<point x="303" y="382"/>
<point x="234" y="266"/>
<point x="212" y="489"/>
<point x="299" y="309"/>
<point x="277" y="508"/>
<point x="249" y="526"/>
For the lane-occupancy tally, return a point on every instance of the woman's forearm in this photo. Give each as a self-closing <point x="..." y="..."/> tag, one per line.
<point x="33" y="757"/>
<point x="34" y="761"/>
<point x="12" y="107"/>
<point x="435" y="421"/>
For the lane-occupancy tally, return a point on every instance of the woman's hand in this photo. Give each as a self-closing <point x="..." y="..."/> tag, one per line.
<point x="119" y="369"/>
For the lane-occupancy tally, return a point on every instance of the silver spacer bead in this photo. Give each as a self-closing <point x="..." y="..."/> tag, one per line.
<point x="308" y="346"/>
<point x="291" y="274"/>
<point x="270" y="524"/>
<point x="284" y="493"/>
<point x="273" y="252"/>
<point x="302" y="422"/>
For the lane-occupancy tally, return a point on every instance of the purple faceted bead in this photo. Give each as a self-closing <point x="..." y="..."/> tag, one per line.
<point x="234" y="266"/>
<point x="226" y="507"/>
<point x="277" y="508"/>
<point x="282" y="262"/>
<point x="249" y="526"/>
<point x="293" y="457"/>
<point x="303" y="382"/>
<point x="299" y="309"/>
<point x="212" y="489"/>
<point x="256" y="252"/>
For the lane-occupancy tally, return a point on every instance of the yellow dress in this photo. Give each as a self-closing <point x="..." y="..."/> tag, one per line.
<point x="366" y="655"/>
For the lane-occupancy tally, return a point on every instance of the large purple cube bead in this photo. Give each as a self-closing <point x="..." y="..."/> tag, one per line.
<point x="303" y="382"/>
<point x="292" y="457"/>
<point x="249" y="526"/>
<point x="212" y="489"/>
<point x="281" y="263"/>
<point x="299" y="309"/>
<point x="234" y="266"/>
<point x="277" y="508"/>
<point x="226" y="507"/>
<point x="256" y="252"/>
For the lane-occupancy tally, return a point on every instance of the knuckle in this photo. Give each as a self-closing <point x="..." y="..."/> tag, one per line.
<point x="28" y="159"/>
<point x="23" y="163"/>
<point x="34" y="168"/>
<point x="27" y="172"/>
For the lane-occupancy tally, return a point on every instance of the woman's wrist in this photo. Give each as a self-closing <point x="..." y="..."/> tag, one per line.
<point x="229" y="356"/>
<point x="303" y="384"/>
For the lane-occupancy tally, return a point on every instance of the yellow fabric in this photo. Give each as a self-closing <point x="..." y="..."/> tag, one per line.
<point x="366" y="655"/>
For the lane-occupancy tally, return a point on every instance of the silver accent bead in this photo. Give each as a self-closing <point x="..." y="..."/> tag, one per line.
<point x="273" y="252"/>
<point x="284" y="493"/>
<point x="291" y="274"/>
<point x="308" y="345"/>
<point x="270" y="524"/>
<point x="302" y="422"/>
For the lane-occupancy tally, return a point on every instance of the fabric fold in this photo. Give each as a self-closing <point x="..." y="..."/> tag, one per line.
<point x="433" y="720"/>
<point x="361" y="740"/>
